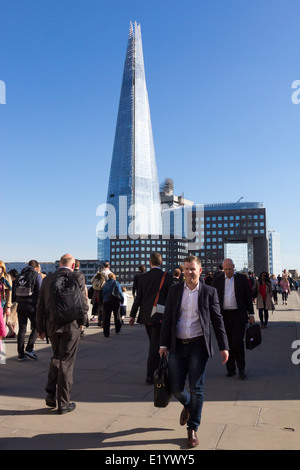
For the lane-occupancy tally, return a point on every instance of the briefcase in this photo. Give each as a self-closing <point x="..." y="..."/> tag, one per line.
<point x="162" y="394"/>
<point x="253" y="336"/>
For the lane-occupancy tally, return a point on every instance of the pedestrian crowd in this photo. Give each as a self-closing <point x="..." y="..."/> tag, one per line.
<point x="177" y="309"/>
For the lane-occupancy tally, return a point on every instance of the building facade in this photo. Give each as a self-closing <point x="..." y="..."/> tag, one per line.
<point x="219" y="231"/>
<point x="274" y="243"/>
<point x="237" y="231"/>
<point x="127" y="255"/>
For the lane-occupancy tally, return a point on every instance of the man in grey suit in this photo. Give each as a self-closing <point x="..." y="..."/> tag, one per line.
<point x="191" y="308"/>
<point x="149" y="286"/>
<point x="64" y="337"/>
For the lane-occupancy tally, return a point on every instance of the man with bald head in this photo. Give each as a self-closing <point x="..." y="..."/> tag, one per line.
<point x="237" y="310"/>
<point x="64" y="336"/>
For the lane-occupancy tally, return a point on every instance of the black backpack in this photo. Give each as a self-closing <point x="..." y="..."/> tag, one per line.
<point x="66" y="298"/>
<point x="25" y="283"/>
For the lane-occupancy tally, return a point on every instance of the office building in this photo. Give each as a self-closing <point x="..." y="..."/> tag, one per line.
<point x="274" y="243"/>
<point x="219" y="231"/>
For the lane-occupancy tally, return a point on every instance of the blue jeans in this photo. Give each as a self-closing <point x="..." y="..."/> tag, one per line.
<point x="190" y="359"/>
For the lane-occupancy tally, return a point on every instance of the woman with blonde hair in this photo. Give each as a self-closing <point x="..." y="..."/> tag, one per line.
<point x="285" y="286"/>
<point x="5" y="300"/>
<point x="111" y="304"/>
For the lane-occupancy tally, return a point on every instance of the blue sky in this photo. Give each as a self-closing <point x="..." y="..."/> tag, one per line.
<point x="219" y="77"/>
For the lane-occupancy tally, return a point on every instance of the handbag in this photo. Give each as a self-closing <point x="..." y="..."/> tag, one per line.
<point x="162" y="394"/>
<point x="2" y="352"/>
<point x="157" y="309"/>
<point x="253" y="336"/>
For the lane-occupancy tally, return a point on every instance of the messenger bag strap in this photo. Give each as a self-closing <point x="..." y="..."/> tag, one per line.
<point x="161" y="284"/>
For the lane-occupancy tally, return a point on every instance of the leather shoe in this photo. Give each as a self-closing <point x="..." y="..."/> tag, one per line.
<point x="184" y="416"/>
<point x="242" y="375"/>
<point x="50" y="400"/>
<point x="66" y="409"/>
<point x="192" y="438"/>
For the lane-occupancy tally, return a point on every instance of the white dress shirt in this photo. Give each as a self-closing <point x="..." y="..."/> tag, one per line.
<point x="229" y="301"/>
<point x="188" y="325"/>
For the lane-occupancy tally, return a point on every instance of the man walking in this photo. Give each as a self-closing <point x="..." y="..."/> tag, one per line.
<point x="152" y="284"/>
<point x="28" y="284"/>
<point x="237" y="309"/>
<point x="64" y="335"/>
<point x="191" y="308"/>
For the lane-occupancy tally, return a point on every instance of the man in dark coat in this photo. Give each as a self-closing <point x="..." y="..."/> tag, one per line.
<point x="64" y="337"/>
<point x="237" y="309"/>
<point x="148" y="288"/>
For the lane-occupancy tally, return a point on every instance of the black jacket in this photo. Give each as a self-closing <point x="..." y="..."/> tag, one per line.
<point x="44" y="323"/>
<point x="35" y="282"/>
<point x="149" y="283"/>
<point x="209" y="314"/>
<point x="242" y="294"/>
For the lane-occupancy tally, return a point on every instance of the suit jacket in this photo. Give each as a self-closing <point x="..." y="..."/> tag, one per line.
<point x="149" y="283"/>
<point x="242" y="294"/>
<point x="209" y="314"/>
<point x="135" y="283"/>
<point x="44" y="315"/>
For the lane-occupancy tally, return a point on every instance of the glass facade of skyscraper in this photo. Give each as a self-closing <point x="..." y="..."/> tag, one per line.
<point x="133" y="188"/>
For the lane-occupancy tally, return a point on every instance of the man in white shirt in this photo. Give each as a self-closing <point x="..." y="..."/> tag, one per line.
<point x="237" y="309"/>
<point x="191" y="308"/>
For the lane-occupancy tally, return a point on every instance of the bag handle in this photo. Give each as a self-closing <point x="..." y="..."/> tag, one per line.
<point x="161" y="284"/>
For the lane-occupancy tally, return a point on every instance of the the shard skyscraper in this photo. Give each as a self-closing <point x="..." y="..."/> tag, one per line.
<point x="133" y="197"/>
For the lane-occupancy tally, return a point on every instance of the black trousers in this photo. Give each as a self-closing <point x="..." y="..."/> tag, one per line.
<point x="153" y="333"/>
<point x="235" y="330"/>
<point x="108" y="308"/>
<point x="60" y="374"/>
<point x="25" y="313"/>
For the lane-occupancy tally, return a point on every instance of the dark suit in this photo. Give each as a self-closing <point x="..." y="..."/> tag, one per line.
<point x="209" y="313"/>
<point x="235" y="320"/>
<point x="148" y="287"/>
<point x="189" y="356"/>
<point x="64" y="338"/>
<point x="135" y="283"/>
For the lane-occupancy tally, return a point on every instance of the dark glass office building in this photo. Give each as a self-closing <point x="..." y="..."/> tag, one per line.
<point x="219" y="231"/>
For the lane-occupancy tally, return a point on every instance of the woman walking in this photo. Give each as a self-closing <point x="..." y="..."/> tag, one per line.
<point x="111" y="303"/>
<point x="274" y="282"/>
<point x="5" y="304"/>
<point x="285" y="286"/>
<point x="264" y="298"/>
